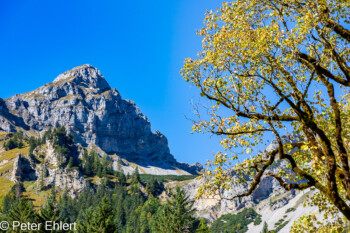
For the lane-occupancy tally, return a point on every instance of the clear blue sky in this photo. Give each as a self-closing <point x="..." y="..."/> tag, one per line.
<point x="139" y="46"/>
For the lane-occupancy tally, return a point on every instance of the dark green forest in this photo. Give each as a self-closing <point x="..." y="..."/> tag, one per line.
<point x="122" y="208"/>
<point x="119" y="203"/>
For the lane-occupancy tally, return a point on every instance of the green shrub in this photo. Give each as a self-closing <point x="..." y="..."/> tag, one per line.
<point x="163" y="178"/>
<point x="235" y="223"/>
<point x="257" y="221"/>
<point x="281" y="226"/>
<point x="290" y="210"/>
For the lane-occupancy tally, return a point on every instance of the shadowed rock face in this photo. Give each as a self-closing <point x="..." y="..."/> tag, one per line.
<point x="8" y="121"/>
<point x="212" y="208"/>
<point x="81" y="100"/>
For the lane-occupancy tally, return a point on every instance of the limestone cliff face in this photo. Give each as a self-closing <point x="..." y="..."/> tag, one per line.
<point x="81" y="100"/>
<point x="213" y="207"/>
<point x="9" y="121"/>
<point x="22" y="170"/>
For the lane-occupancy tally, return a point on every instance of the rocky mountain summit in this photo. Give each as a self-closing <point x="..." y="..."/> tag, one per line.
<point x="100" y="120"/>
<point x="83" y="102"/>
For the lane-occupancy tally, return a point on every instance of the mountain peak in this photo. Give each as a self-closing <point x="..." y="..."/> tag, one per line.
<point x="84" y="75"/>
<point x="81" y="100"/>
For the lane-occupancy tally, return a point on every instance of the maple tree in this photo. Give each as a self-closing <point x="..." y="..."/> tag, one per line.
<point x="269" y="66"/>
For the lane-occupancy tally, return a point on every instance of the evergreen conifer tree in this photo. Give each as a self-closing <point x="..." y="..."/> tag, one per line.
<point x="265" y="228"/>
<point x="88" y="163"/>
<point x="14" y="195"/>
<point x="22" y="211"/>
<point x="84" y="224"/>
<point x="43" y="174"/>
<point x="64" y="207"/>
<point x="149" y="208"/>
<point x="97" y="168"/>
<point x="203" y="227"/>
<point x="176" y="216"/>
<point x="136" y="176"/>
<point x="121" y="178"/>
<point x="20" y="144"/>
<point x="99" y="220"/>
<point x="18" y="189"/>
<point x="70" y="163"/>
<point x="50" y="211"/>
<point x="120" y="213"/>
<point x="152" y="186"/>
<point x="11" y="144"/>
<point x="8" y="202"/>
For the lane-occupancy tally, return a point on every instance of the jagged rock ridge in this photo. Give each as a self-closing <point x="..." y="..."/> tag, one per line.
<point x="214" y="207"/>
<point x="269" y="199"/>
<point x="81" y="100"/>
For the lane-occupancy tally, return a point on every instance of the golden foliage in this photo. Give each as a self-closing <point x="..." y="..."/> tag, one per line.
<point x="270" y="68"/>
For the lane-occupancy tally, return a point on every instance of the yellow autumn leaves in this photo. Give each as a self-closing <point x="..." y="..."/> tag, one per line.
<point x="270" y="67"/>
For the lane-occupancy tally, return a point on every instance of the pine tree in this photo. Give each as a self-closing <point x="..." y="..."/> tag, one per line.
<point x="109" y="166"/>
<point x="104" y="169"/>
<point x="50" y="211"/>
<point x="87" y="163"/>
<point x="11" y="144"/>
<point x="70" y="163"/>
<point x="133" y="224"/>
<point x="97" y="168"/>
<point x="134" y="187"/>
<point x="22" y="211"/>
<point x="136" y="175"/>
<point x="203" y="227"/>
<point x="33" y="143"/>
<point x="265" y="228"/>
<point x="20" y="144"/>
<point x="12" y="197"/>
<point x="177" y="215"/>
<point x="85" y="224"/>
<point x="104" y="217"/>
<point x="161" y="220"/>
<point x="99" y="220"/>
<point x="144" y="220"/>
<point x="120" y="212"/>
<point x="119" y="167"/>
<point x="43" y="174"/>
<point x="8" y="202"/>
<point x="64" y="207"/>
<point x="121" y="178"/>
<point x="18" y="190"/>
<point x="152" y="186"/>
<point x="149" y="208"/>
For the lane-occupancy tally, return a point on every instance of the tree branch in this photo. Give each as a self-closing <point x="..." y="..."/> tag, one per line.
<point x="289" y="186"/>
<point x="312" y="62"/>
<point x="340" y="30"/>
<point x="239" y="133"/>
<point x="257" y="177"/>
<point x="258" y="116"/>
<point x="338" y="59"/>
